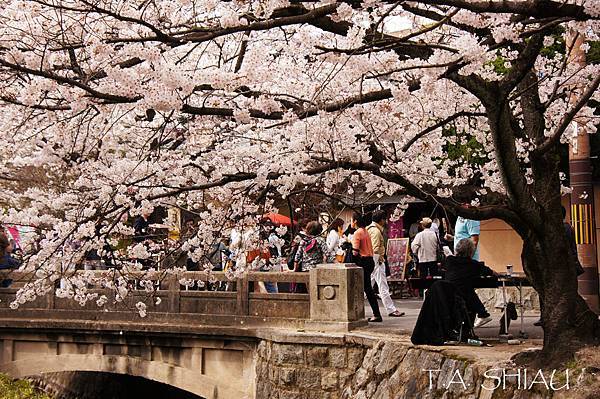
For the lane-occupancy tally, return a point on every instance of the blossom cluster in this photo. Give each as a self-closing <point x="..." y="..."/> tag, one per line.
<point x="224" y="109"/>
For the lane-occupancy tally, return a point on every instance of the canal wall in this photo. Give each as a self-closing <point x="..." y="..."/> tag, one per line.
<point x="292" y="364"/>
<point x="371" y="368"/>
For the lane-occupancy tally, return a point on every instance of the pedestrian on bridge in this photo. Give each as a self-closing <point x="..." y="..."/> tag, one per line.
<point x="362" y="252"/>
<point x="378" y="276"/>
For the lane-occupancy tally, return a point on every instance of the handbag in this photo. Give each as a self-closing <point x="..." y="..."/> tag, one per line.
<point x="440" y="256"/>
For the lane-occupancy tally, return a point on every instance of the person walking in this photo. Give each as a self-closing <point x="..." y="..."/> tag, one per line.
<point x="141" y="227"/>
<point x="425" y="247"/>
<point x="6" y="248"/>
<point x="362" y="252"/>
<point x="375" y="230"/>
<point x="6" y="260"/>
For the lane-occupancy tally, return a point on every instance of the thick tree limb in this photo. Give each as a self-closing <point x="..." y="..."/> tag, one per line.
<point x="302" y="113"/>
<point x="203" y="35"/>
<point x="538" y="9"/>
<point x="523" y="64"/>
<point x="501" y="211"/>
<point x="533" y="116"/>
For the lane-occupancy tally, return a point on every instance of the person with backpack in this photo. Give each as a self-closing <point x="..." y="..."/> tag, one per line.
<point x="311" y="251"/>
<point x="375" y="230"/>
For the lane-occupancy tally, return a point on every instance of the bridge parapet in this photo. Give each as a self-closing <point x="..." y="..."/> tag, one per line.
<point x="335" y="301"/>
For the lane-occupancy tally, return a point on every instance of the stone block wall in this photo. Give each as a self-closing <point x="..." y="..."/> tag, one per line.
<point x="395" y="370"/>
<point x="493" y="300"/>
<point x="305" y="371"/>
<point x="380" y="370"/>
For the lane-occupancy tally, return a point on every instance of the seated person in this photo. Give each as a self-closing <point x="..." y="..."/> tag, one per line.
<point x="462" y="271"/>
<point x="443" y="317"/>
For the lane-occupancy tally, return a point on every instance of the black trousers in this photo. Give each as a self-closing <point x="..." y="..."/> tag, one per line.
<point x="368" y="265"/>
<point x="428" y="269"/>
<point x="473" y="303"/>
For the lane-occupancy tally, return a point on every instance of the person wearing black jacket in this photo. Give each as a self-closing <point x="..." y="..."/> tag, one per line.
<point x="141" y="227"/>
<point x="6" y="260"/>
<point x="462" y="271"/>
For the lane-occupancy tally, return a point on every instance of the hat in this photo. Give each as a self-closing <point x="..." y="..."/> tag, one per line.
<point x="426" y="222"/>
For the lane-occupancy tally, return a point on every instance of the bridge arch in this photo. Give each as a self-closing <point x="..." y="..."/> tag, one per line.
<point x="179" y="377"/>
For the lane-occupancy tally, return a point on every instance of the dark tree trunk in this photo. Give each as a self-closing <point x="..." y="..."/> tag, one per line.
<point x="568" y="322"/>
<point x="532" y="201"/>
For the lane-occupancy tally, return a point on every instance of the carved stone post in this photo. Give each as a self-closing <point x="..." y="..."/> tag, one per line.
<point x="336" y="298"/>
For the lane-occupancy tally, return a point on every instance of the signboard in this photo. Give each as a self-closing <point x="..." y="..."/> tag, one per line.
<point x="397" y="255"/>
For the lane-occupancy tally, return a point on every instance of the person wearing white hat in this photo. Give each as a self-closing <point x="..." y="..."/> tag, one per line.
<point x="425" y="247"/>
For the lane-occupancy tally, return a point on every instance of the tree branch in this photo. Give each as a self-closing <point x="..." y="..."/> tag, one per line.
<point x="538" y="9"/>
<point x="438" y="125"/>
<point x="63" y="79"/>
<point x="35" y="106"/>
<point x="523" y="64"/>
<point x="567" y="118"/>
<point x="203" y="35"/>
<point x="301" y="113"/>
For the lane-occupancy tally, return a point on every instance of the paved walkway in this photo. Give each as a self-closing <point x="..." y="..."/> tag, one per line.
<point x="489" y="332"/>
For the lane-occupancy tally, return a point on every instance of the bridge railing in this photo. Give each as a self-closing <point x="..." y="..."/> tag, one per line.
<point x="199" y="292"/>
<point x="334" y="294"/>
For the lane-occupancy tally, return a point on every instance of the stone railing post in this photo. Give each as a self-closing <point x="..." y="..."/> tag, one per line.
<point x="336" y="297"/>
<point x="242" y="304"/>
<point x="174" y="294"/>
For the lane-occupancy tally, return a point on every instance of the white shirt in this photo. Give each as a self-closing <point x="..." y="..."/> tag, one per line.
<point x="276" y="242"/>
<point x="425" y="246"/>
<point x="333" y="242"/>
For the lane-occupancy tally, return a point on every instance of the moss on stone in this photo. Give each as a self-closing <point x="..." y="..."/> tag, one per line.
<point x="19" y="389"/>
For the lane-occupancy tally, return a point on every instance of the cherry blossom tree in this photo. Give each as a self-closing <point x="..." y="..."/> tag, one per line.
<point x="219" y="107"/>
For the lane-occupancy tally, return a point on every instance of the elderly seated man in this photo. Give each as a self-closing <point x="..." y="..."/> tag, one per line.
<point x="462" y="271"/>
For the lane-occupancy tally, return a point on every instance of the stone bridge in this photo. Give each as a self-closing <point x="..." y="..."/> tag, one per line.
<point x="204" y="342"/>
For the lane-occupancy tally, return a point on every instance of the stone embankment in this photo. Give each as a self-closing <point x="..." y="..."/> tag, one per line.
<point x="365" y="368"/>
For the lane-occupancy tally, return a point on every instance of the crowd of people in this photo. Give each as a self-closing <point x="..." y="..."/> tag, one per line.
<point x="303" y="246"/>
<point x="437" y="251"/>
<point x="434" y="251"/>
